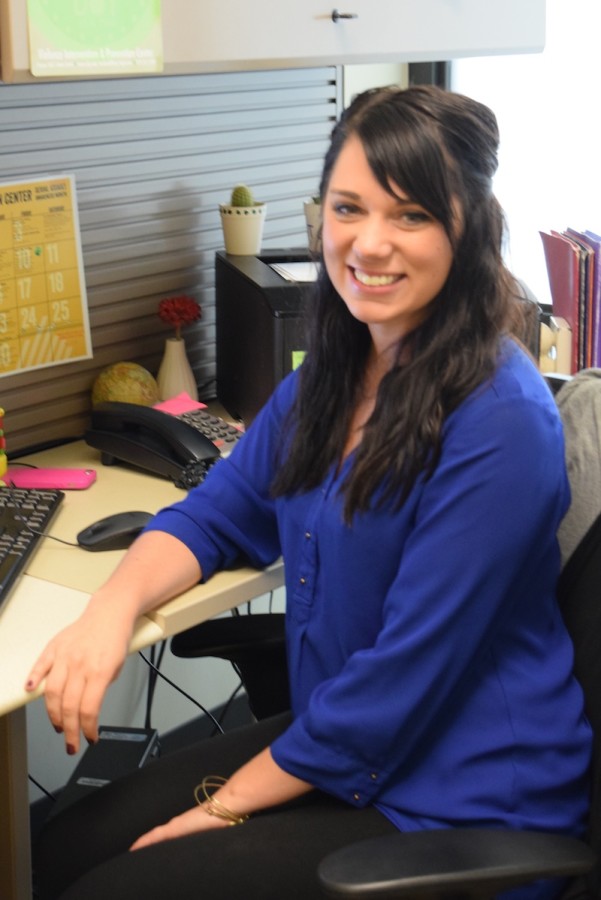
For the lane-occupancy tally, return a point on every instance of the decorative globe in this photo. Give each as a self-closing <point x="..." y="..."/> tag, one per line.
<point x="125" y="382"/>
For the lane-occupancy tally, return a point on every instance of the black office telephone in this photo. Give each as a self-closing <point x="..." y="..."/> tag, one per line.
<point x="152" y="440"/>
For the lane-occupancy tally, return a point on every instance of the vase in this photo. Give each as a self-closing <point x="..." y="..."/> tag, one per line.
<point x="175" y="376"/>
<point x="243" y="228"/>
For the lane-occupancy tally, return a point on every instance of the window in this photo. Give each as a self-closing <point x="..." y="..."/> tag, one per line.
<point x="547" y="106"/>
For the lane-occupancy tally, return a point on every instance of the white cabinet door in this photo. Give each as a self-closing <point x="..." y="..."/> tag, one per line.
<point x="234" y="35"/>
<point x="242" y="34"/>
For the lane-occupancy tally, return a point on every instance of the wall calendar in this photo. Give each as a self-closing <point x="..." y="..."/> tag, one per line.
<point x="43" y="304"/>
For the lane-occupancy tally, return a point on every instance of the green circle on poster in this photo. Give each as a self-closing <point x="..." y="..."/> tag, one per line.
<point x="94" y="23"/>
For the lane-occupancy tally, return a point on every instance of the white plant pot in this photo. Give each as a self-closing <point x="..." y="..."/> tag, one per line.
<point x="313" y="220"/>
<point x="243" y="228"/>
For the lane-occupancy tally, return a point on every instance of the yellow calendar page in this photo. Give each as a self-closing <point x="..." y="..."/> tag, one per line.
<point x="43" y="305"/>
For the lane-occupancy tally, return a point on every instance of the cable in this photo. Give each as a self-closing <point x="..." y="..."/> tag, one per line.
<point x="19" y="499"/>
<point x="41" y="787"/>
<point x="45" y="534"/>
<point x="181" y="691"/>
<point x="152" y="680"/>
<point x="227" y="704"/>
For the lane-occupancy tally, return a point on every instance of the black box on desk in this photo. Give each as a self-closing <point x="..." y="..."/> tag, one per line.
<point x="260" y="333"/>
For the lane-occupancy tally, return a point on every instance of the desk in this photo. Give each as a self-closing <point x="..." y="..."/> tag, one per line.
<point x="55" y="588"/>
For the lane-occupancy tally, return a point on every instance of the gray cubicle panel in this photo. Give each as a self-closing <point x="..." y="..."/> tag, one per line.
<point x="152" y="159"/>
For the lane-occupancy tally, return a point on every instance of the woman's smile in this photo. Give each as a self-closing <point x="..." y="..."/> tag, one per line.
<point x="373" y="280"/>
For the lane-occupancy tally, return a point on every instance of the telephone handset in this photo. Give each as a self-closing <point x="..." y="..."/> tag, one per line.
<point x="153" y="440"/>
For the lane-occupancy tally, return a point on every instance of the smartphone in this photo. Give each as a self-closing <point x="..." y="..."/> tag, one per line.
<point x="47" y="479"/>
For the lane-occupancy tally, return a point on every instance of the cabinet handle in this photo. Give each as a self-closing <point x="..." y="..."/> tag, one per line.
<point x="338" y="15"/>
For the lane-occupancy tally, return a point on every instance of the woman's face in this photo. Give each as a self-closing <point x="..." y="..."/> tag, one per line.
<point x="386" y="256"/>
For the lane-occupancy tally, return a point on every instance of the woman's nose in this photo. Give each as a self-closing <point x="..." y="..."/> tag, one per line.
<point x="373" y="238"/>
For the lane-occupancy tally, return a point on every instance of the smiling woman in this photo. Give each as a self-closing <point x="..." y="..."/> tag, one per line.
<point x="397" y="471"/>
<point x="402" y="167"/>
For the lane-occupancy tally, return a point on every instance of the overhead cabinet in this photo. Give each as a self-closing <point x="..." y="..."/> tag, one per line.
<point x="234" y="35"/>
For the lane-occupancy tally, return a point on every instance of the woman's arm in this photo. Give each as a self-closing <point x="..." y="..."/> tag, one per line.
<point x="259" y="784"/>
<point x="82" y="660"/>
<point x="229" y="515"/>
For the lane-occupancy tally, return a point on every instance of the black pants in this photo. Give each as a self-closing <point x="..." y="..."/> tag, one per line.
<point x="82" y="853"/>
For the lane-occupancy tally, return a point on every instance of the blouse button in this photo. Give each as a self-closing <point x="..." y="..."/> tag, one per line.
<point x="308" y="535"/>
<point x="374" y="776"/>
<point x="303" y="580"/>
<point x="356" y="797"/>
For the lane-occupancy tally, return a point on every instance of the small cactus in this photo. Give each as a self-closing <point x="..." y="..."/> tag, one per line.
<point x="242" y="196"/>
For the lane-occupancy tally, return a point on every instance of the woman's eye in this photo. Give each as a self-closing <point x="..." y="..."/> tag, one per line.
<point x="415" y="217"/>
<point x="345" y="209"/>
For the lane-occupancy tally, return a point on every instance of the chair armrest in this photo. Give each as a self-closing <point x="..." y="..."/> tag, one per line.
<point x="466" y="861"/>
<point x="233" y="637"/>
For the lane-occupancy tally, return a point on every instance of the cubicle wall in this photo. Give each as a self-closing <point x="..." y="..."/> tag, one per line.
<point x="152" y="159"/>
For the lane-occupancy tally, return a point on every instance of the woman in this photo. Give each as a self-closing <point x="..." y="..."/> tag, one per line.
<point x="412" y="474"/>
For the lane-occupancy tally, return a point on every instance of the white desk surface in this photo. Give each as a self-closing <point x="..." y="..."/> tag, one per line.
<point x="36" y="610"/>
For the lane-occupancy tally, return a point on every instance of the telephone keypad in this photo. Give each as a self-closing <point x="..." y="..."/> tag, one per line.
<point x="223" y="434"/>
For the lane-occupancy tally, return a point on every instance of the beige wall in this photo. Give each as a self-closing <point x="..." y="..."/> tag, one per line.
<point x="360" y="78"/>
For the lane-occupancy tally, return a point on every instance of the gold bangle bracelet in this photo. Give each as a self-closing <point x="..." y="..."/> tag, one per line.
<point x="212" y="805"/>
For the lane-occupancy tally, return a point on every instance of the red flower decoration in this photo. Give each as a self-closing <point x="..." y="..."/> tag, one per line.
<point x="179" y="311"/>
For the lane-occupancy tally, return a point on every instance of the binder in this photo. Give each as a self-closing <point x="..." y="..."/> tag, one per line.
<point x="587" y="272"/>
<point x="595" y="242"/>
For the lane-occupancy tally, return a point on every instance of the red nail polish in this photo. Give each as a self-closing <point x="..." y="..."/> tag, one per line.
<point x="70" y="749"/>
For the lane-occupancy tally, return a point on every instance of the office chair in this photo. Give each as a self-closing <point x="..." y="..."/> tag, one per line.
<point x="256" y="647"/>
<point x="480" y="863"/>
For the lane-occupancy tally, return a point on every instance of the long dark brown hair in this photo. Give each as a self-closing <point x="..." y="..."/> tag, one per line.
<point x="440" y="148"/>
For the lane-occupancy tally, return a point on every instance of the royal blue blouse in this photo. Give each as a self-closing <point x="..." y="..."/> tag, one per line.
<point x="430" y="670"/>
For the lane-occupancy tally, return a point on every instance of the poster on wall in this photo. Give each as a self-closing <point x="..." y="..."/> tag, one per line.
<point x="43" y="304"/>
<point x="76" y="38"/>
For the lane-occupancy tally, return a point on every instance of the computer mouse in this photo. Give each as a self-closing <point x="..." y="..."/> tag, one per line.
<point x="114" y="532"/>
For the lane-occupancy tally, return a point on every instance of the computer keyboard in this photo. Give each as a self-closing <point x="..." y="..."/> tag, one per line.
<point x="24" y="517"/>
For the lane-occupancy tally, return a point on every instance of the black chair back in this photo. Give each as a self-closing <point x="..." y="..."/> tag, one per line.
<point x="579" y="594"/>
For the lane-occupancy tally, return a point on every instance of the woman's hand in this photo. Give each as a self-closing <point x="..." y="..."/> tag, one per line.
<point x="259" y="784"/>
<point x="83" y="659"/>
<point x="192" y="821"/>
<point x="78" y="664"/>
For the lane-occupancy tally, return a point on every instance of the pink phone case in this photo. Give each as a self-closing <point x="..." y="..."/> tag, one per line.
<point x="63" y="479"/>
